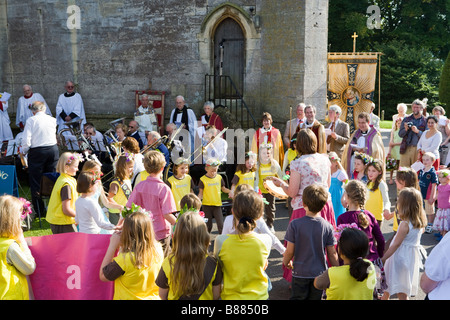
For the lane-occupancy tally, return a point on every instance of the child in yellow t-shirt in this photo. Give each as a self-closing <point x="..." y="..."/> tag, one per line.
<point x="135" y="268"/>
<point x="245" y="173"/>
<point x="244" y="253"/>
<point x="356" y="279"/>
<point x="16" y="260"/>
<point x="211" y="186"/>
<point x="267" y="167"/>
<point x="120" y="187"/>
<point x="181" y="182"/>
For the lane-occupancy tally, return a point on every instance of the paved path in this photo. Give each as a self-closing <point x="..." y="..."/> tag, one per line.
<point x="280" y="290"/>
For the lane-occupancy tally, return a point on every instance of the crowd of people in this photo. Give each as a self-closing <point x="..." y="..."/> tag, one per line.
<point x="335" y="181"/>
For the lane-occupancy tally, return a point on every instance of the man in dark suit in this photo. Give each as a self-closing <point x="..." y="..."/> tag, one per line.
<point x="339" y="131"/>
<point x="133" y="131"/>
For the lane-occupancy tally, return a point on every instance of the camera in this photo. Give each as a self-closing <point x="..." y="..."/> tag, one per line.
<point x="410" y="124"/>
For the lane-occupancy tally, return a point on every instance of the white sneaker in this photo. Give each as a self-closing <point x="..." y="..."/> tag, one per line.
<point x="429" y="228"/>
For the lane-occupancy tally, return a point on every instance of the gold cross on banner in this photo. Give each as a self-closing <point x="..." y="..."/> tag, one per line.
<point x="354" y="36"/>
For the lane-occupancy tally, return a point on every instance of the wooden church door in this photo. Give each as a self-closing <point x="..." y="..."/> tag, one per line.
<point x="229" y="57"/>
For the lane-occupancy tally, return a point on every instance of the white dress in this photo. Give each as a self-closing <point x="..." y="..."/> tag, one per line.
<point x="402" y="268"/>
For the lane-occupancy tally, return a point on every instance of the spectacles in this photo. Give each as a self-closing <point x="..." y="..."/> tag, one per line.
<point x="70" y="87"/>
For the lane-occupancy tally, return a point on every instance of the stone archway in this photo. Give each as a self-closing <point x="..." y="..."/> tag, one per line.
<point x="213" y="20"/>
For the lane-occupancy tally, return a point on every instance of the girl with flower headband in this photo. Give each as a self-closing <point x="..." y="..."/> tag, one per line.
<point x="442" y="219"/>
<point x="180" y="182"/>
<point x="360" y="162"/>
<point x="16" y="259"/>
<point x="339" y="177"/>
<point x="89" y="214"/>
<point x="267" y="167"/>
<point x="120" y="187"/>
<point x="356" y="278"/>
<point x="61" y="207"/>
<point x="245" y="173"/>
<point x="244" y="253"/>
<point x="211" y="186"/>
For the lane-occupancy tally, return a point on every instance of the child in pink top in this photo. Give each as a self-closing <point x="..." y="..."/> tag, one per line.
<point x="155" y="196"/>
<point x="442" y="220"/>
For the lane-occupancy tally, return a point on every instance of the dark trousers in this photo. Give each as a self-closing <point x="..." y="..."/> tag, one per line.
<point x="269" y="209"/>
<point x="40" y="160"/>
<point x="303" y="289"/>
<point x="216" y="213"/>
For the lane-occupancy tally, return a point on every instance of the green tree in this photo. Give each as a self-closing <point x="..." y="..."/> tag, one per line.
<point x="444" y="84"/>
<point x="414" y="39"/>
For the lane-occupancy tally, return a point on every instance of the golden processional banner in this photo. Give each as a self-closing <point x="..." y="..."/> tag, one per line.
<point x="351" y="83"/>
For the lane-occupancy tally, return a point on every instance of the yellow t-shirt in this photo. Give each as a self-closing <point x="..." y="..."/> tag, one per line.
<point x="206" y="295"/>
<point x="265" y="170"/>
<point x="55" y="214"/>
<point x="248" y="178"/>
<point x="344" y="287"/>
<point x="137" y="284"/>
<point x="141" y="177"/>
<point x="13" y="284"/>
<point x="212" y="190"/>
<point x="374" y="202"/>
<point x="243" y="258"/>
<point x="120" y="197"/>
<point x="180" y="188"/>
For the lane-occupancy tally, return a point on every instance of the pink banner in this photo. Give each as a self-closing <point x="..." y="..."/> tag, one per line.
<point x="68" y="265"/>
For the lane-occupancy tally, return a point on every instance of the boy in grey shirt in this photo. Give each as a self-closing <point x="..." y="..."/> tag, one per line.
<point x="308" y="240"/>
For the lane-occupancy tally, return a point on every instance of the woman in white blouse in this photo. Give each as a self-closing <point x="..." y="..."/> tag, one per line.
<point x="430" y="140"/>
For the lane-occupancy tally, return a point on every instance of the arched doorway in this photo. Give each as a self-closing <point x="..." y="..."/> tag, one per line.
<point x="229" y="55"/>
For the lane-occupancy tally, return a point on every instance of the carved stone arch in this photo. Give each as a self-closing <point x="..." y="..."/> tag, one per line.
<point x="213" y="20"/>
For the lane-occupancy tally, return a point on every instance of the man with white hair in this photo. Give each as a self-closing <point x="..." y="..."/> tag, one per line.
<point x="293" y="125"/>
<point x="411" y="130"/>
<point x="69" y="107"/>
<point x="338" y="131"/>
<point x="5" y="128"/>
<point x="146" y="116"/>
<point x="39" y="142"/>
<point x="181" y="114"/>
<point x="24" y="104"/>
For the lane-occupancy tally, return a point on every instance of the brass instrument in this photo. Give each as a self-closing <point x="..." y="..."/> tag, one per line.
<point x="75" y="128"/>
<point x="155" y="144"/>
<point x="116" y="146"/>
<point x="203" y="148"/>
<point x="169" y="142"/>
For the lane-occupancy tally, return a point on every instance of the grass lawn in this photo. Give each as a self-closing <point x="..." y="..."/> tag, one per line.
<point x="386" y="124"/>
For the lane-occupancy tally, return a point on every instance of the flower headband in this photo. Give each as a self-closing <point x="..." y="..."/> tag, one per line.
<point x="251" y="154"/>
<point x="334" y="158"/>
<point x="266" y="145"/>
<point x="340" y="228"/>
<point x="444" y="173"/>
<point x="403" y="169"/>
<point x="129" y="156"/>
<point x="26" y="209"/>
<point x="75" y="156"/>
<point x="365" y="157"/>
<point x="181" y="161"/>
<point x="213" y="162"/>
<point x="97" y="175"/>
<point x="134" y="208"/>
